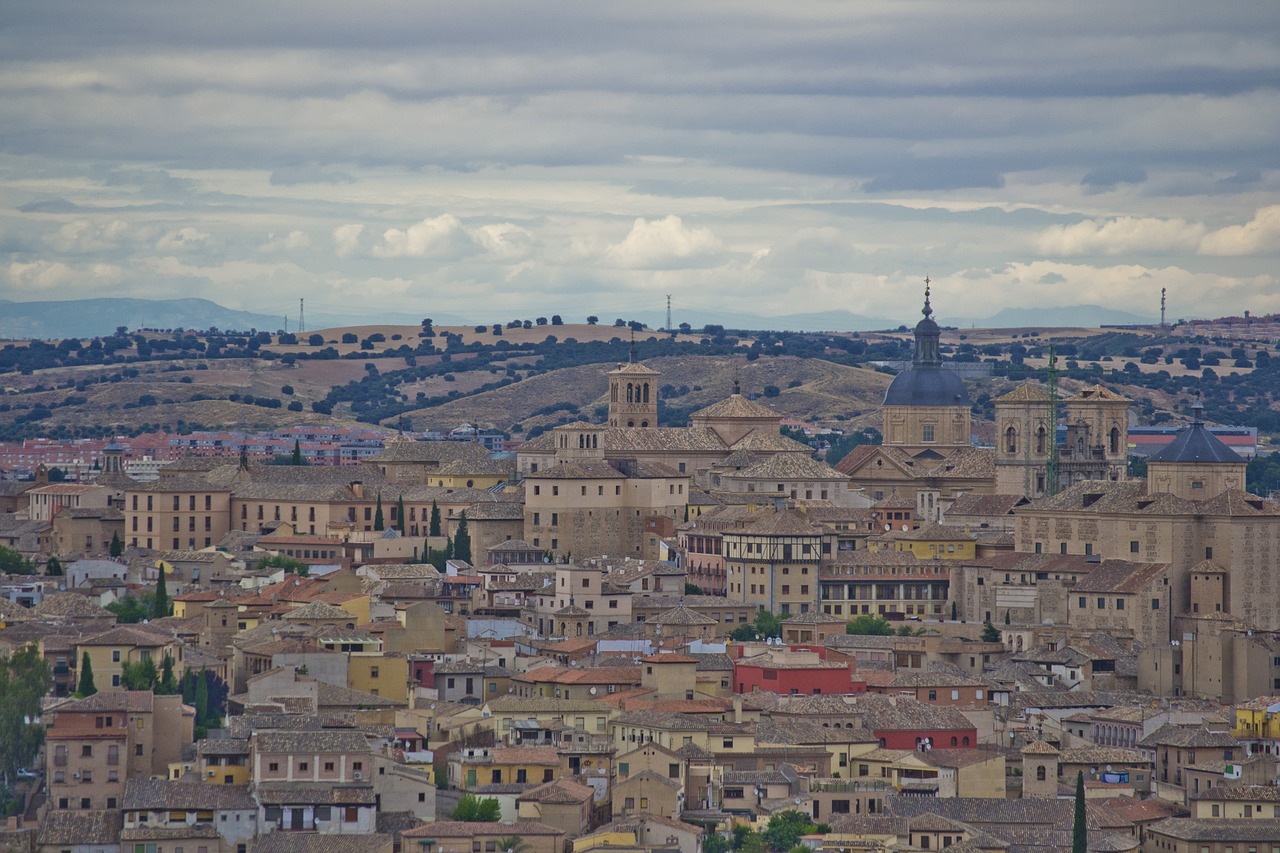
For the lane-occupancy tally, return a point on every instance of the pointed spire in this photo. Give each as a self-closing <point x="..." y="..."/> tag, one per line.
<point x="1197" y="413"/>
<point x="631" y="353"/>
<point x="927" y="334"/>
<point x="244" y="457"/>
<point x="737" y="387"/>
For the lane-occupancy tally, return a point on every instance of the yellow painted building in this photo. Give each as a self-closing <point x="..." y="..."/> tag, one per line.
<point x="381" y="674"/>
<point x="110" y="651"/>
<point x="931" y="542"/>
<point x="1258" y="719"/>
<point x="472" y="767"/>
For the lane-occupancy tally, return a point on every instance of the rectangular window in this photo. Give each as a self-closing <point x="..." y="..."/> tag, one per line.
<point x="1133" y="547"/>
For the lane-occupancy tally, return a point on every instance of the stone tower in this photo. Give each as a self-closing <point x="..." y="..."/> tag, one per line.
<point x="1040" y="769"/>
<point x="1023" y="431"/>
<point x="1097" y="443"/>
<point x="633" y="396"/>
<point x="926" y="407"/>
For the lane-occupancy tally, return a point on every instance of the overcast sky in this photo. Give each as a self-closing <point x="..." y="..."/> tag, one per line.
<point x="503" y="159"/>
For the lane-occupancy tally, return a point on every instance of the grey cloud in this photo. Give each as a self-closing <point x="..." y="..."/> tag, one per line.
<point x="293" y="175"/>
<point x="1109" y="177"/>
<point x="49" y="205"/>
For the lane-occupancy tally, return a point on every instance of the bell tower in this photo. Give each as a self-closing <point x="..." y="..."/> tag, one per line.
<point x="633" y="396"/>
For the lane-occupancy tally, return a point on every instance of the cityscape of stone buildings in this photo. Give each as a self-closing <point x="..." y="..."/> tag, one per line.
<point x="634" y="636"/>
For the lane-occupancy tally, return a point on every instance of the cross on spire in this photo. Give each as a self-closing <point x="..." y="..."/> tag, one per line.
<point x="928" y="309"/>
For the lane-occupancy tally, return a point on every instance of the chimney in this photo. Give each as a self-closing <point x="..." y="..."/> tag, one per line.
<point x="357" y="488"/>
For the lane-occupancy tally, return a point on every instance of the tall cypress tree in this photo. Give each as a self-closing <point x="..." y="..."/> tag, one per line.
<point x="168" y="685"/>
<point x="1079" y="830"/>
<point x="377" y="514"/>
<point x="400" y="520"/>
<point x="117" y="547"/>
<point x="434" y="529"/>
<point x="86" y="686"/>
<point x="202" y="697"/>
<point x="161" y="606"/>
<point x="462" y="540"/>
<point x="297" y="453"/>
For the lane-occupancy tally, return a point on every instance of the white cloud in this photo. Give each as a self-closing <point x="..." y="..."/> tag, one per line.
<point x="504" y="241"/>
<point x="1257" y="236"/>
<point x="44" y="275"/>
<point x="1126" y="235"/>
<point x="663" y="244"/>
<point x="440" y="237"/>
<point x="182" y="239"/>
<point x="286" y="242"/>
<point x="346" y="239"/>
<point x="82" y="236"/>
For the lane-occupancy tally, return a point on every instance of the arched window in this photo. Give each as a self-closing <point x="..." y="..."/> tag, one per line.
<point x="966" y="740"/>
<point x="629" y="393"/>
<point x="646" y="392"/>
<point x="1115" y="439"/>
<point x="953" y="741"/>
<point x="1011" y="440"/>
<point x="644" y="423"/>
<point x="1040" y="440"/>
<point x="613" y="393"/>
<point x="1040" y="773"/>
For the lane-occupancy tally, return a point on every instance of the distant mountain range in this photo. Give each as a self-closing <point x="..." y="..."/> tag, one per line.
<point x="84" y="318"/>
<point x="89" y="317"/>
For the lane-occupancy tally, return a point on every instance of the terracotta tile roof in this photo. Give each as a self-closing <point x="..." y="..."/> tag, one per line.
<point x="1027" y="392"/>
<point x="321" y="843"/>
<point x="319" y="793"/>
<point x="68" y="605"/>
<point x="1120" y="576"/>
<point x="467" y="829"/>
<point x="164" y="795"/>
<point x="317" y="610"/>
<point x="1217" y="829"/>
<point x="65" y="827"/>
<point x="558" y="792"/>
<point x="736" y="406"/>
<point x="320" y="740"/>
<point x="681" y="615"/>
<point x="633" y="368"/>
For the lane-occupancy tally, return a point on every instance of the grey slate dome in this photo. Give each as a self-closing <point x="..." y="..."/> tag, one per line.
<point x="927" y="386"/>
<point x="1196" y="444"/>
<point x="926" y="382"/>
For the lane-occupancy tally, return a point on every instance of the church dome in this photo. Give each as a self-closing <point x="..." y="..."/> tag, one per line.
<point x="926" y="386"/>
<point x="926" y="382"/>
<point x="1196" y="444"/>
